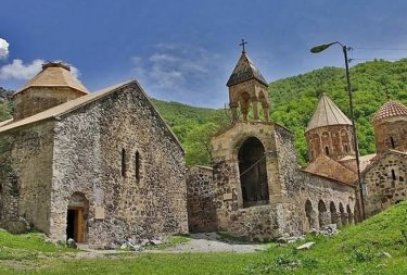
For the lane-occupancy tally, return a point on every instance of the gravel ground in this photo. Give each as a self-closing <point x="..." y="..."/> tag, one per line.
<point x="210" y="242"/>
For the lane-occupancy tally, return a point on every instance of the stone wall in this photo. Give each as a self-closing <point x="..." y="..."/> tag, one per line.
<point x="37" y="99"/>
<point x="89" y="146"/>
<point x="289" y="188"/>
<point x="25" y="177"/>
<point x="391" y="134"/>
<point x="201" y="199"/>
<point x="386" y="182"/>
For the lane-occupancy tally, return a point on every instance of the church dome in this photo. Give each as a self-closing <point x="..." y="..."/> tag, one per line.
<point x="55" y="74"/>
<point x="390" y="109"/>
<point x="327" y="114"/>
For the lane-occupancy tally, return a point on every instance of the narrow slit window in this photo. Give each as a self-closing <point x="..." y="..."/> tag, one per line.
<point x="327" y="151"/>
<point x="124" y="162"/>
<point x="393" y="174"/>
<point x="393" y="145"/>
<point x="137" y="164"/>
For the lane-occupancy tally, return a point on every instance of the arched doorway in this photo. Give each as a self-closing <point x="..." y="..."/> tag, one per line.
<point x="253" y="173"/>
<point x="77" y="218"/>
<point x="311" y="216"/>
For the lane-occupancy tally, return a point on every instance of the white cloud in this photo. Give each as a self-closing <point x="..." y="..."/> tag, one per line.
<point x="20" y="71"/>
<point x="4" y="48"/>
<point x="170" y="65"/>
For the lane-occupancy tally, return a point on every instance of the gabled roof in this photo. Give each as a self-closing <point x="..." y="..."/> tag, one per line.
<point x="244" y="71"/>
<point x="390" y="109"/>
<point x="55" y="74"/>
<point x="329" y="168"/>
<point x="72" y="105"/>
<point x="326" y="114"/>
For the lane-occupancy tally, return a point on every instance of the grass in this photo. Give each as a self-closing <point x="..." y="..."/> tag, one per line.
<point x="359" y="249"/>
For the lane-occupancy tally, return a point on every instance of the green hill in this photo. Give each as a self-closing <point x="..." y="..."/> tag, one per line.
<point x="293" y="100"/>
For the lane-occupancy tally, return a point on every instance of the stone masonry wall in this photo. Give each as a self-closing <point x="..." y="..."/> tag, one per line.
<point x="88" y="159"/>
<point x="201" y="199"/>
<point x="25" y="177"/>
<point x="386" y="182"/>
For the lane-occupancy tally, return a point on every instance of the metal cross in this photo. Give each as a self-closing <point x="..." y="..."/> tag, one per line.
<point x="242" y="44"/>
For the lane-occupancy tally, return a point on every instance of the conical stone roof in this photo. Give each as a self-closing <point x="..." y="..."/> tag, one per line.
<point x="326" y="114"/>
<point x="390" y="109"/>
<point x="245" y="70"/>
<point x="55" y="74"/>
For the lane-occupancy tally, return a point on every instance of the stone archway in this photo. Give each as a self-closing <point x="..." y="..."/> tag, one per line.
<point x="335" y="218"/>
<point x="77" y="218"/>
<point x="343" y="214"/>
<point x="311" y="216"/>
<point x="323" y="216"/>
<point x="253" y="172"/>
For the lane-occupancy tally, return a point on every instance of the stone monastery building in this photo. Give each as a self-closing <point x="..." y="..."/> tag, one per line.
<point x="104" y="167"/>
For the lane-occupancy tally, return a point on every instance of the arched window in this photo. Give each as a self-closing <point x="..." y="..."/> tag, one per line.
<point x="124" y="168"/>
<point x="253" y="173"/>
<point x="137" y="165"/>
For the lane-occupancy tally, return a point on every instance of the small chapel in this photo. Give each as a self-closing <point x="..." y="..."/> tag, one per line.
<point x="97" y="167"/>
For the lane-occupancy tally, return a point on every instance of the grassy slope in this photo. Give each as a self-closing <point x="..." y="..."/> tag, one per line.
<point x="355" y="250"/>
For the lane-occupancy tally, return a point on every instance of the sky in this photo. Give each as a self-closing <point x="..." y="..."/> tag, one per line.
<point x="185" y="50"/>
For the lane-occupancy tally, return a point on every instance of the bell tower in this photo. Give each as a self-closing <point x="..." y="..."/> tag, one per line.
<point x="247" y="90"/>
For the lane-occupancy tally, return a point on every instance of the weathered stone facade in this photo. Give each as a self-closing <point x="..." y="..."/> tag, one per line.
<point x="386" y="181"/>
<point x="201" y="199"/>
<point x="289" y="188"/>
<point x="101" y="168"/>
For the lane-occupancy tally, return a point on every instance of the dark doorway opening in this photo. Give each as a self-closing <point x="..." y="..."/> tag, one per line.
<point x="70" y="224"/>
<point x="253" y="173"/>
<point x="75" y="225"/>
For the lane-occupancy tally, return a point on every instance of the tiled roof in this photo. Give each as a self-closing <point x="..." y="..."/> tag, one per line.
<point x="55" y="74"/>
<point x="390" y="109"/>
<point x="327" y="113"/>
<point x="245" y="70"/>
<point x="329" y="168"/>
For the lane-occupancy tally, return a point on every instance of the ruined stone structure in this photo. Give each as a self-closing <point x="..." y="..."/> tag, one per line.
<point x="98" y="167"/>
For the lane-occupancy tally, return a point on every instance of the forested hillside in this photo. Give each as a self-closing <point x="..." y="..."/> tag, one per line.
<point x="293" y="101"/>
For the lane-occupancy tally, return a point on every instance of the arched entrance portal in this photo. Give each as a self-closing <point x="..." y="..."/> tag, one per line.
<point x="253" y="173"/>
<point x="311" y="216"/>
<point x="77" y="218"/>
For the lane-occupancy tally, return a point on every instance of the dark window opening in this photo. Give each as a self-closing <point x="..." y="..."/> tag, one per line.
<point x="327" y="150"/>
<point x="393" y="174"/>
<point x="393" y="145"/>
<point x="253" y="173"/>
<point x="124" y="163"/>
<point x="137" y="164"/>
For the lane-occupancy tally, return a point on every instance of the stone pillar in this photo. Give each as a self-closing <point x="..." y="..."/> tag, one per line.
<point x="255" y="111"/>
<point x="338" y="219"/>
<point x="324" y="219"/>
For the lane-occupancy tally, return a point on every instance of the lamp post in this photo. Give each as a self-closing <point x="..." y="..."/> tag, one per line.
<point x="345" y="49"/>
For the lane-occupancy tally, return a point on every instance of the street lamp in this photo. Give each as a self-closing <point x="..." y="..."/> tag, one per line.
<point x="345" y="49"/>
